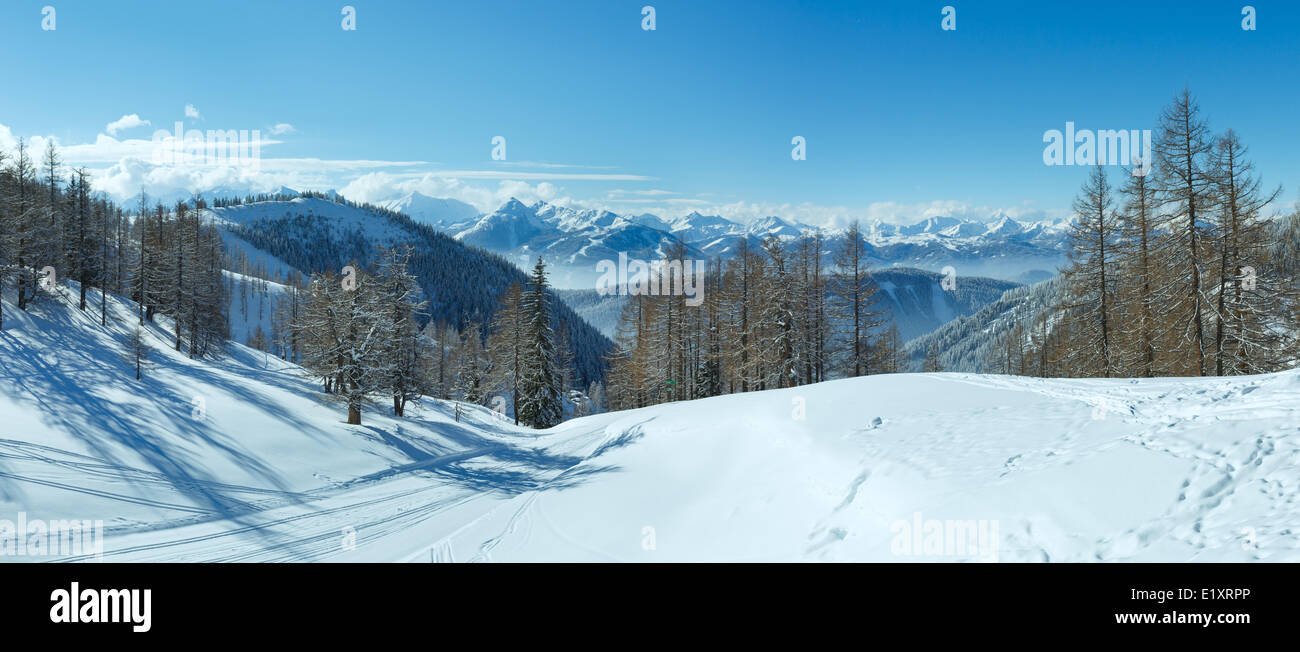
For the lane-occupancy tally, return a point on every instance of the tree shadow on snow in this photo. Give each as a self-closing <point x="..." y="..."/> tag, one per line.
<point x="66" y="380"/>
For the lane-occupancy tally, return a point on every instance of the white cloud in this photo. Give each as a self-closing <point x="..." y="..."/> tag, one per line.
<point x="7" y="139"/>
<point x="553" y="166"/>
<point x="282" y="128"/>
<point x="126" y="176"/>
<point x="107" y="149"/>
<point x="131" y="175"/>
<point x="128" y="121"/>
<point x="122" y="167"/>
<point x="538" y="176"/>
<point x="192" y="112"/>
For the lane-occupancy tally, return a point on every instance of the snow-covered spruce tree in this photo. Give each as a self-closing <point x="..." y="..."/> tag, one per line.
<point x="539" y="392"/>
<point x="1090" y="279"/>
<point x="779" y="292"/>
<point x="360" y="345"/>
<point x="403" y="370"/>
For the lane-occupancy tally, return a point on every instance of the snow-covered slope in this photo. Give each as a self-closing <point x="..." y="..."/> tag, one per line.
<point x="252" y="304"/>
<point x="890" y="468"/>
<point x="967" y="343"/>
<point x="917" y="303"/>
<point x="601" y="311"/>
<point x="233" y="459"/>
<point x="1032" y="470"/>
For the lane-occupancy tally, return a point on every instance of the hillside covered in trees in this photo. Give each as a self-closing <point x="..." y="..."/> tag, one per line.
<point x="373" y="304"/>
<point x="1178" y="271"/>
<point x="463" y="285"/>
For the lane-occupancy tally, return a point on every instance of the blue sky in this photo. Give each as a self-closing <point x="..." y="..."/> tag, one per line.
<point x="902" y="119"/>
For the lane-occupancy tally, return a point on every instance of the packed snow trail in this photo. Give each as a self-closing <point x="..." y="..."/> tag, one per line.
<point x="909" y="467"/>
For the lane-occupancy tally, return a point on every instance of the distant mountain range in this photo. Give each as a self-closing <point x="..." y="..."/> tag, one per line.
<point x="990" y="257"/>
<point x="573" y="241"/>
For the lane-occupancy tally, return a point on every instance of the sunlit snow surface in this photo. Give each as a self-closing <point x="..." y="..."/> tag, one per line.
<point x="1059" y="470"/>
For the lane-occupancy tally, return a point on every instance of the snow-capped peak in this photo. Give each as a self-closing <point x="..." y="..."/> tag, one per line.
<point x="438" y="212"/>
<point x="1004" y="225"/>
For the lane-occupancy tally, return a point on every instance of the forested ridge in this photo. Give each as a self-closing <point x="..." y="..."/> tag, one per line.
<point x="462" y="284"/>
